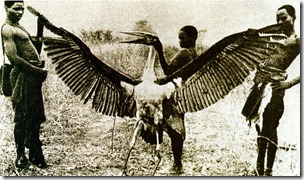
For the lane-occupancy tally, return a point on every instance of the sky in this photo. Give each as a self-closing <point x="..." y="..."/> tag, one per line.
<point x="219" y="18"/>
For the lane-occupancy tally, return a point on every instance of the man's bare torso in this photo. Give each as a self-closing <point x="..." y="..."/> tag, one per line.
<point x="285" y="58"/>
<point x="22" y="41"/>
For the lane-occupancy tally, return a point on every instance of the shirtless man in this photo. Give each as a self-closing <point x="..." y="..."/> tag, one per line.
<point x="174" y="121"/>
<point x="26" y="79"/>
<point x="273" y="72"/>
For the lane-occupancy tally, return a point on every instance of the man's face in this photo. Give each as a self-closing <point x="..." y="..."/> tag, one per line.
<point x="184" y="40"/>
<point x="15" y="12"/>
<point x="284" y="17"/>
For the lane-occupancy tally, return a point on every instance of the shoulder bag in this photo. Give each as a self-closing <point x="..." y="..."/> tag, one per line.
<point x="5" y="70"/>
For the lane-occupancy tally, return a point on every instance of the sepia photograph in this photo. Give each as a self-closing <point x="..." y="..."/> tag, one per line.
<point x="150" y="88"/>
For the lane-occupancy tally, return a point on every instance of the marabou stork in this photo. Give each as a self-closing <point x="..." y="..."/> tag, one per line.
<point x="211" y="76"/>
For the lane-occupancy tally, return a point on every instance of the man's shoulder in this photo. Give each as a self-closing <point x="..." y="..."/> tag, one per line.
<point x="292" y="41"/>
<point x="189" y="52"/>
<point x="7" y="29"/>
<point x="184" y="55"/>
<point x="185" y="52"/>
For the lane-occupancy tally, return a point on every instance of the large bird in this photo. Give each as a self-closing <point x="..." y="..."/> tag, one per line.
<point x="210" y="77"/>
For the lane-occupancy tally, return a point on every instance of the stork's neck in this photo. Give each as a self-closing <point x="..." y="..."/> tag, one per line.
<point x="149" y="73"/>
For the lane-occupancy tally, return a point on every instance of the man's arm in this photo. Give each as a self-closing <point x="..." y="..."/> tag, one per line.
<point x="11" y="52"/>
<point x="165" y="66"/>
<point x="286" y="84"/>
<point x="182" y="58"/>
<point x="179" y="60"/>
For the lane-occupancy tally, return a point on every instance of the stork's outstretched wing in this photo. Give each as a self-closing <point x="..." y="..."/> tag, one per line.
<point x="86" y="75"/>
<point x="224" y="66"/>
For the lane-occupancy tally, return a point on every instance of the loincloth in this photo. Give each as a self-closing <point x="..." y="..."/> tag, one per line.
<point x="176" y="122"/>
<point x="27" y="97"/>
<point x="264" y="76"/>
<point x="174" y="119"/>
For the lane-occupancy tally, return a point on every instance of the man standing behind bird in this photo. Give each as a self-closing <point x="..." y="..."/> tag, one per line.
<point x="26" y="79"/>
<point x="272" y="72"/>
<point x="175" y="121"/>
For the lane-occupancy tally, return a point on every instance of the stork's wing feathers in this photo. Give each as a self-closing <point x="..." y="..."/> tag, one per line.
<point x="224" y="66"/>
<point x="86" y="75"/>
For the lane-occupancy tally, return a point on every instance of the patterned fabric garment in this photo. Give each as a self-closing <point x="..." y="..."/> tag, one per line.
<point x="27" y="95"/>
<point x="264" y="76"/>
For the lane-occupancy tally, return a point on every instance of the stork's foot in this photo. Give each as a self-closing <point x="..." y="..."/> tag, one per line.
<point x="177" y="168"/>
<point x="124" y="173"/>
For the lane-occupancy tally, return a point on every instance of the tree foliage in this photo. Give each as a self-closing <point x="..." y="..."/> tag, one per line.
<point x="98" y="36"/>
<point x="143" y="25"/>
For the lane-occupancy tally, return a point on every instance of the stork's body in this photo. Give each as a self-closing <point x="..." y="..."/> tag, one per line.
<point x="148" y="94"/>
<point x="149" y="114"/>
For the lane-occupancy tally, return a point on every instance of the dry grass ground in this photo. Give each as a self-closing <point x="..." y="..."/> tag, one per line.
<point x="79" y="142"/>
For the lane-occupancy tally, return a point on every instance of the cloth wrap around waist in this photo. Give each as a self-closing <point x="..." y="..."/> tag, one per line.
<point x="27" y="97"/>
<point x="264" y="75"/>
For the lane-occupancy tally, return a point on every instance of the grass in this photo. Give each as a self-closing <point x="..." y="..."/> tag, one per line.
<point x="80" y="142"/>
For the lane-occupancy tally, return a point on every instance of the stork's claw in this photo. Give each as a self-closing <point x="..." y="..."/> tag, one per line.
<point x="124" y="173"/>
<point x="158" y="162"/>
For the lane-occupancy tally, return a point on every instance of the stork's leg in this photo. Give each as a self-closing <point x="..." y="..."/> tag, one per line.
<point x="157" y="152"/>
<point x="136" y="133"/>
<point x="125" y="167"/>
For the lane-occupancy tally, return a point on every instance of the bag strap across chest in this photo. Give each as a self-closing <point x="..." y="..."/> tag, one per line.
<point x="2" y="45"/>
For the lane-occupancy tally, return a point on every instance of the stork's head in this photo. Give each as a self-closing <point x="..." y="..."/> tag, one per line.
<point x="142" y="38"/>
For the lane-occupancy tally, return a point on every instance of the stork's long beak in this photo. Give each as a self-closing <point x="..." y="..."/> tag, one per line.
<point x="143" y="37"/>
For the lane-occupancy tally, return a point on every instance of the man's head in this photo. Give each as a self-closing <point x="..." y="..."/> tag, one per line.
<point x="187" y="36"/>
<point x="286" y="14"/>
<point x="14" y="10"/>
